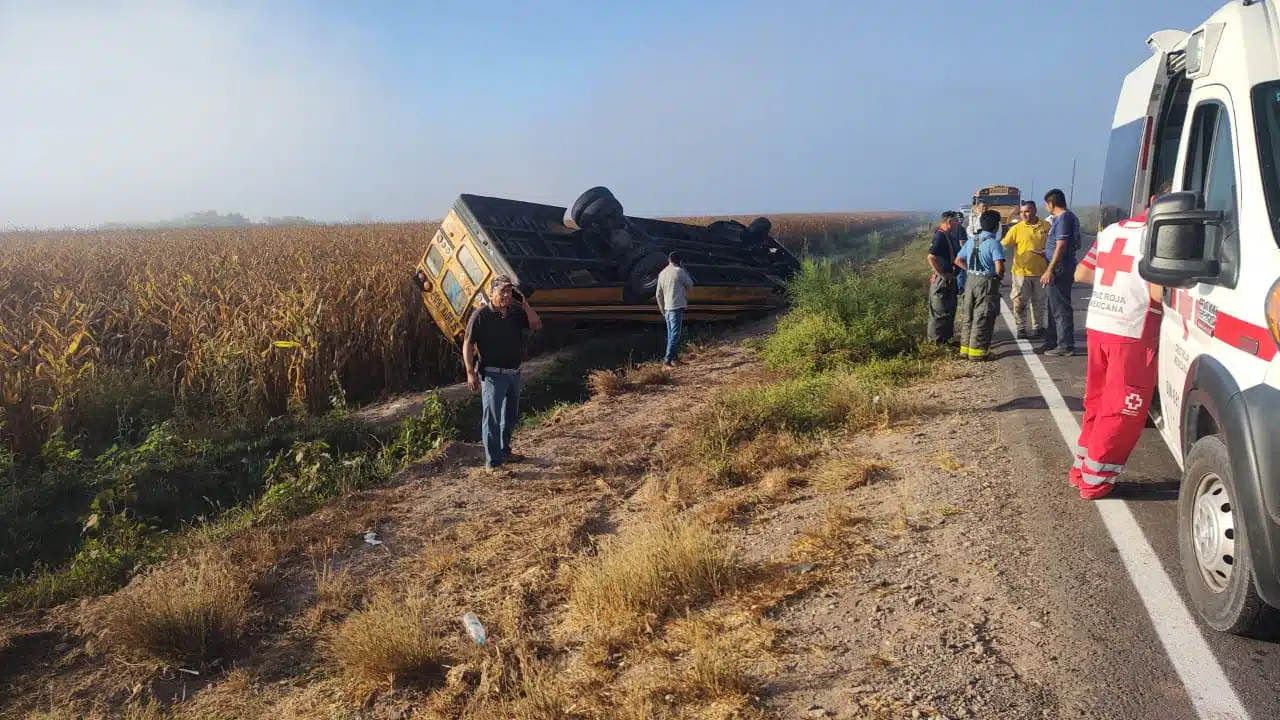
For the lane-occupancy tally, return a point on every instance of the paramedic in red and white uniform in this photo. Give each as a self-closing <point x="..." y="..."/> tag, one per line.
<point x="1123" y="328"/>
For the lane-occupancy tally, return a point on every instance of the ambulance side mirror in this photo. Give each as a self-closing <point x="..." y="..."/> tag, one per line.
<point x="1175" y="249"/>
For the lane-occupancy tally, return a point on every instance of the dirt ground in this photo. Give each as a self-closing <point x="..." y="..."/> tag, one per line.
<point x="929" y="613"/>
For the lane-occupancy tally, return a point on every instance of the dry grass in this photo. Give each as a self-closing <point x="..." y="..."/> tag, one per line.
<point x="834" y="536"/>
<point x="777" y="483"/>
<point x="716" y="661"/>
<point x="390" y="640"/>
<point x="604" y="383"/>
<point x="236" y="696"/>
<point x="132" y="710"/>
<point x="611" y="383"/>
<point x="336" y="591"/>
<point x="647" y="573"/>
<point x="772" y="451"/>
<point x="726" y="506"/>
<point x="191" y="612"/>
<point x="708" y="454"/>
<point x="647" y="375"/>
<point x="948" y="462"/>
<point x="840" y="474"/>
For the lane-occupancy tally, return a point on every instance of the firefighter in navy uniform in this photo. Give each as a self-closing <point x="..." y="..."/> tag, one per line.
<point x="1123" y="329"/>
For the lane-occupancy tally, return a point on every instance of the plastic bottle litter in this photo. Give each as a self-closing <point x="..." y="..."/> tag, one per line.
<point x="474" y="628"/>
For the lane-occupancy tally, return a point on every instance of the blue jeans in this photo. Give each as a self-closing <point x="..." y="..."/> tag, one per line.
<point x="500" y="403"/>
<point x="675" y="319"/>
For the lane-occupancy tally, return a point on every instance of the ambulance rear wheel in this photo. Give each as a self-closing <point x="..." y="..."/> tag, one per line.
<point x="1213" y="545"/>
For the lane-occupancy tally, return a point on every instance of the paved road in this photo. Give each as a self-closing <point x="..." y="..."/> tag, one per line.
<point x="1113" y="644"/>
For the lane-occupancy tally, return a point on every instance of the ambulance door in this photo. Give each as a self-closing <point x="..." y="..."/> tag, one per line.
<point x="1136" y="130"/>
<point x="1208" y="165"/>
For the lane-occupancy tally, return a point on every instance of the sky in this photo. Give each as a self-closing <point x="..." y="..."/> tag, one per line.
<point x="133" y="110"/>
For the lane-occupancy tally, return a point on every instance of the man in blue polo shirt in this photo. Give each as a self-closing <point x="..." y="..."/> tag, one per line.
<point x="1060" y="250"/>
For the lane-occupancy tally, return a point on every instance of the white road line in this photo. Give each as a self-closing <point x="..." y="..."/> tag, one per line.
<point x="1207" y="686"/>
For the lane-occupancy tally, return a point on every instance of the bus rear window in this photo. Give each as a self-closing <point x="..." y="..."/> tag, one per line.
<point x="1266" y="116"/>
<point x="453" y="290"/>
<point x="470" y="265"/>
<point x="997" y="200"/>
<point x="435" y="260"/>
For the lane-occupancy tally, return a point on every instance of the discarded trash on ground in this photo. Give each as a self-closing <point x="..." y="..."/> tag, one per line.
<point x="474" y="628"/>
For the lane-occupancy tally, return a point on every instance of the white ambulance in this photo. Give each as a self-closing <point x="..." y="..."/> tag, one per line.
<point x="1198" y="124"/>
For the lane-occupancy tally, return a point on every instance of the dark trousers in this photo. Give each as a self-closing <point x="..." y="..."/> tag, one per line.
<point x="942" y="309"/>
<point x="500" y="406"/>
<point x="979" y="308"/>
<point x="1061" y="328"/>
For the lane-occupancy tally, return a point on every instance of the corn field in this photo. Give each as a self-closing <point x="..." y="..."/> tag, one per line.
<point x="237" y="321"/>
<point x="258" y="321"/>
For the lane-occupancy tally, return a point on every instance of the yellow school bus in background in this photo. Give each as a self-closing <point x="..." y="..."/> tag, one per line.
<point x="593" y="263"/>
<point x="1004" y="199"/>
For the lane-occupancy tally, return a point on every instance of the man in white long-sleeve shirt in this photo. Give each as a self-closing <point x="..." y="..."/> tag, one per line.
<point x="674" y="283"/>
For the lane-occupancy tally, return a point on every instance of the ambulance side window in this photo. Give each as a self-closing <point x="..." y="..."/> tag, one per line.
<point x="1211" y="171"/>
<point x="1201" y="144"/>
<point x="1220" y="187"/>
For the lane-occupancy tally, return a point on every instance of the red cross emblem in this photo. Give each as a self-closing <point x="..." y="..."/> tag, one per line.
<point x="1114" y="262"/>
<point x="1185" y="310"/>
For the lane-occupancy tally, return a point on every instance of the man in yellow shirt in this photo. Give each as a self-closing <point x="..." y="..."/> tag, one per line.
<point x="1026" y="240"/>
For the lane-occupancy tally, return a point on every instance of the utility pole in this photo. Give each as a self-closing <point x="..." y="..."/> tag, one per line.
<point x="1071" y="200"/>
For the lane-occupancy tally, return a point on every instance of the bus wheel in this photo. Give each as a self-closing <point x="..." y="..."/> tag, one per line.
<point x="642" y="276"/>
<point x="760" y="227"/>
<point x="1213" y="545"/>
<point x="595" y="205"/>
<point x="727" y="228"/>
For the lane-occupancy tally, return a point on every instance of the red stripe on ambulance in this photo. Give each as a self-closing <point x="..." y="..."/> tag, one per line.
<point x="1243" y="335"/>
<point x="1229" y="329"/>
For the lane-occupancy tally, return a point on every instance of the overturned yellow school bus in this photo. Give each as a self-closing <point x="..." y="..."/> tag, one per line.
<point x="592" y="262"/>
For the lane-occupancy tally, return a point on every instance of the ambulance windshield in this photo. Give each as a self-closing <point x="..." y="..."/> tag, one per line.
<point x="1266" y="113"/>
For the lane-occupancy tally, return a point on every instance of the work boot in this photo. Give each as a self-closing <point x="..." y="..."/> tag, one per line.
<point x="1096" y="492"/>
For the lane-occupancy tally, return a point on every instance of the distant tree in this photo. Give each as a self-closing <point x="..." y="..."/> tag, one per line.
<point x="289" y="220"/>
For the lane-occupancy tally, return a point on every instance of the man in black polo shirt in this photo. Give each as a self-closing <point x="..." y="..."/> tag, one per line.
<point x="496" y="331"/>
<point x="942" y="284"/>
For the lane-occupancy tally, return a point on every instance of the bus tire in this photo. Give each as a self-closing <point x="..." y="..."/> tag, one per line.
<point x="642" y="276"/>
<point x="605" y="213"/>
<point x="726" y="228"/>
<point x="593" y="205"/>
